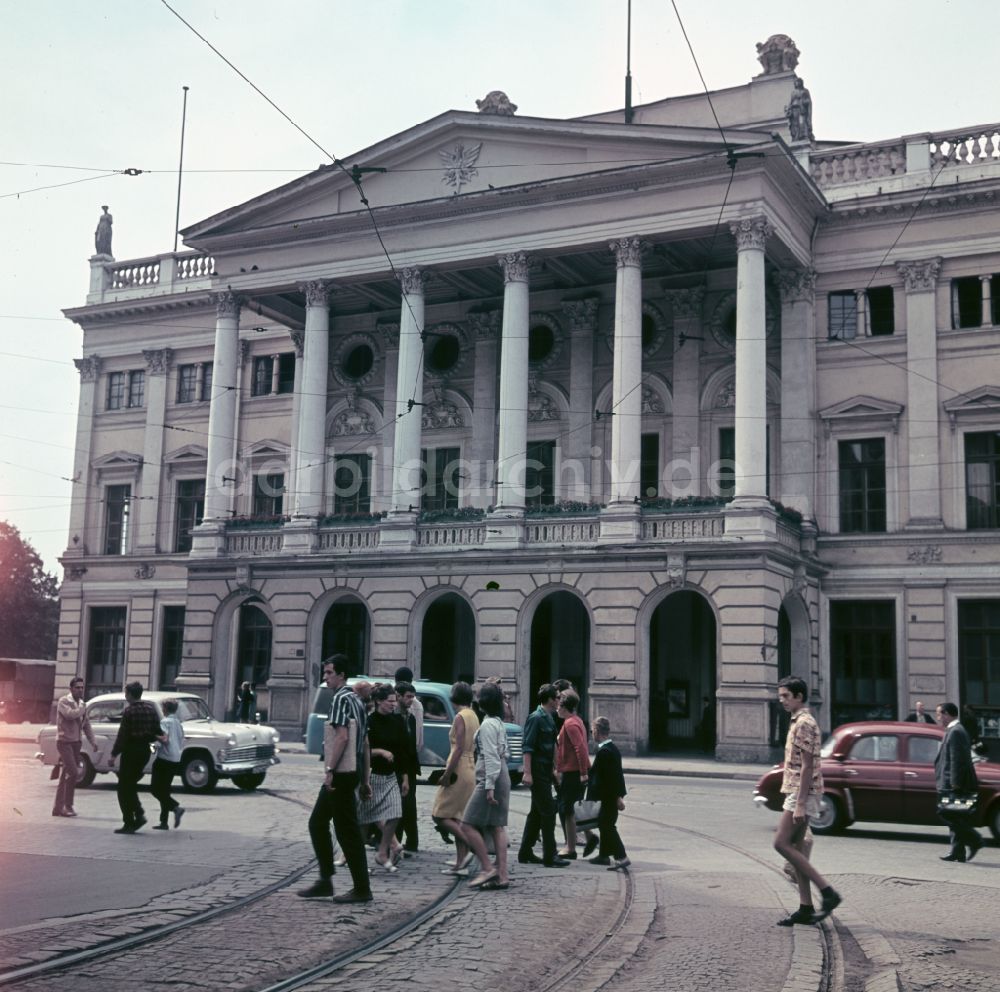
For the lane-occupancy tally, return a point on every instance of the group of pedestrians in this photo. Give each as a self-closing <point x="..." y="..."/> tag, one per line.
<point x="140" y="729"/>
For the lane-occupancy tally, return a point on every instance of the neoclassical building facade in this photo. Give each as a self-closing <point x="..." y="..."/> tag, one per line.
<point x="666" y="408"/>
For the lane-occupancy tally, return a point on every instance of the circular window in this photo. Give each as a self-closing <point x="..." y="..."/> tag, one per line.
<point x="541" y="341"/>
<point x="443" y="352"/>
<point x="729" y="324"/>
<point x="358" y="361"/>
<point x="649" y="331"/>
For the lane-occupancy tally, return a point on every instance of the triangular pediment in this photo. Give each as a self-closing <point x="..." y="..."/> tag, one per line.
<point x="118" y="460"/>
<point x="861" y="409"/>
<point x="261" y="449"/>
<point x="982" y="399"/>
<point x="460" y="153"/>
<point x="188" y="453"/>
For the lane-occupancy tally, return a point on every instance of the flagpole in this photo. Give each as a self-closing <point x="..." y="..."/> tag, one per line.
<point x="180" y="170"/>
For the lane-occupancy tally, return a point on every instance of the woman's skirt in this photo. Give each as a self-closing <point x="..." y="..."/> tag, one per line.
<point x="450" y="802"/>
<point x="484" y="815"/>
<point x="386" y="803"/>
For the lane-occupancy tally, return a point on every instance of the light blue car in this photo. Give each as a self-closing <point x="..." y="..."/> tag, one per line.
<point x="439" y="713"/>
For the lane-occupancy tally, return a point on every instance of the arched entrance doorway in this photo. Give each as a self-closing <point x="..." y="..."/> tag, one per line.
<point x="448" y="641"/>
<point x="560" y="645"/>
<point x="346" y="631"/>
<point x="253" y="653"/>
<point x="682" y="679"/>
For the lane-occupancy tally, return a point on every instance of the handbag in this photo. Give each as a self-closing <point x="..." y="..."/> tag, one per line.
<point x="349" y="756"/>
<point x="586" y="812"/>
<point x="952" y="803"/>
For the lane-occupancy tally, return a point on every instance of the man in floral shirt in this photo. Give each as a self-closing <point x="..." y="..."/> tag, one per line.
<point x="802" y="787"/>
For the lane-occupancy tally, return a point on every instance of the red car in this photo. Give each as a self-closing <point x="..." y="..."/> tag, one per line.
<point x="883" y="771"/>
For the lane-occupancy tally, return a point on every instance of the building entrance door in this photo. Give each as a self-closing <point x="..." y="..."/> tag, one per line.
<point x="448" y="641"/>
<point x="682" y="678"/>
<point x="560" y="646"/>
<point x="346" y="631"/>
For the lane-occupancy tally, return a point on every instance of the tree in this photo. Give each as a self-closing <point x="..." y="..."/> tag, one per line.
<point x="29" y="600"/>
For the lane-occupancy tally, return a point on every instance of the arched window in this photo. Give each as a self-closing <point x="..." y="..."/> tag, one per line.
<point x="253" y="661"/>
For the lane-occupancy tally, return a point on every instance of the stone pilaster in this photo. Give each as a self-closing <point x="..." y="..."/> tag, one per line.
<point x="484" y="407"/>
<point x="686" y="305"/>
<point x="582" y="317"/>
<point x="90" y="374"/>
<point x="158" y="364"/>
<point x="390" y="338"/>
<point x="923" y="456"/>
<point x="298" y="343"/>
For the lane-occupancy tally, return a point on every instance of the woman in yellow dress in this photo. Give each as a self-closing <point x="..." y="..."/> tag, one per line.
<point x="459" y="777"/>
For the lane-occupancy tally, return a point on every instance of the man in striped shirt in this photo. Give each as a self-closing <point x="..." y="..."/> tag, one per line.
<point x="347" y="762"/>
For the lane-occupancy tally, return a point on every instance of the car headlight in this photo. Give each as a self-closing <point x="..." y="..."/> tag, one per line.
<point x="275" y="736"/>
<point x="231" y="741"/>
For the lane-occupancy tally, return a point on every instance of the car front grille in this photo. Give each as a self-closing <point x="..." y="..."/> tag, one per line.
<point x="515" y="747"/>
<point x="250" y="752"/>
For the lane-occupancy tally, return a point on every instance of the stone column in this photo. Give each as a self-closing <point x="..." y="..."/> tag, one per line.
<point x="751" y="361"/>
<point x="90" y="373"/>
<point x="199" y="382"/>
<point x="309" y="455"/>
<point x="798" y="390"/>
<point x="222" y="409"/>
<point x="987" y="316"/>
<point x="923" y="457"/>
<point x="860" y="311"/>
<point x="298" y="342"/>
<point x="409" y="394"/>
<point x="686" y="477"/>
<point x="582" y="316"/>
<point x="512" y="441"/>
<point x="390" y="335"/>
<point x="146" y="519"/>
<point x="482" y="456"/>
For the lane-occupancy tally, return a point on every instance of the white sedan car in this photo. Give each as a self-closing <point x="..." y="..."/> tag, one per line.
<point x="242" y="752"/>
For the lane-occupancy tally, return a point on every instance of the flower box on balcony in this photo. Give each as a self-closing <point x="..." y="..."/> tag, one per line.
<point x="358" y="519"/>
<point x="256" y="523"/>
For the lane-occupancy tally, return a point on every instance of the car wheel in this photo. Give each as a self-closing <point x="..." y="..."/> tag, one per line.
<point x="86" y="773"/>
<point x="249" y="782"/>
<point x="198" y="773"/>
<point x="993" y="821"/>
<point x="831" y="817"/>
<point x="515" y="779"/>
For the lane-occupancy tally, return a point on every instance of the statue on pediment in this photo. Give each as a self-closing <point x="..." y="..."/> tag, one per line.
<point x="777" y="54"/>
<point x="799" y="113"/>
<point x="498" y="103"/>
<point x="102" y="236"/>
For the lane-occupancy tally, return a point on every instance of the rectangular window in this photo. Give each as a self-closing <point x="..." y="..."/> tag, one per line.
<point x="352" y="477"/>
<point x="982" y="480"/>
<point x="206" y="382"/>
<point x="440" y="484"/>
<point x="540" y="474"/>
<point x="190" y="511"/>
<point x="979" y="657"/>
<point x="116" y="390"/>
<point x="171" y="646"/>
<point x="881" y="312"/>
<point x="862" y="661"/>
<point x="187" y="383"/>
<point x="268" y="494"/>
<point x="286" y="372"/>
<point x="861" y="467"/>
<point x="842" y="315"/>
<point x="136" y="389"/>
<point x="262" y="369"/>
<point x="649" y="467"/>
<point x="966" y="302"/>
<point x="116" y="512"/>
<point x="106" y="650"/>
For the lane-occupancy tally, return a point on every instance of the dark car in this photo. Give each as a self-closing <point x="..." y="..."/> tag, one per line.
<point x="883" y="772"/>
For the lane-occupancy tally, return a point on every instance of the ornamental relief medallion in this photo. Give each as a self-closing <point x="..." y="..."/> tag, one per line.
<point x="541" y="406"/>
<point x="722" y="322"/>
<point x="343" y="350"/>
<point x="440" y="413"/>
<point x="352" y="421"/>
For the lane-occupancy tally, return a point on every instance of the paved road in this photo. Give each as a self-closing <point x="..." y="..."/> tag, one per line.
<point x="702" y="917"/>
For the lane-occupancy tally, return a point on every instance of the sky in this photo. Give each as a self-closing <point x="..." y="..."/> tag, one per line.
<point x="94" y="87"/>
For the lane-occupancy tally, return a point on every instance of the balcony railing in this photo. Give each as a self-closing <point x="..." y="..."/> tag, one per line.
<point x="174" y="272"/>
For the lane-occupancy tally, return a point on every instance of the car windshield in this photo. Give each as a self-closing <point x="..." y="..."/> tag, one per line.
<point x="827" y="749"/>
<point x="192" y="708"/>
<point x="323" y="700"/>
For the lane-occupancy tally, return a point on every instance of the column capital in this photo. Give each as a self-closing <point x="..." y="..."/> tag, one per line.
<point x="317" y="292"/>
<point x="920" y="276"/>
<point x="412" y="281"/>
<point x="89" y="367"/>
<point x="582" y="314"/>
<point x="389" y="329"/>
<point x="227" y="304"/>
<point x="486" y="325"/>
<point x="298" y="342"/>
<point x="515" y="266"/>
<point x="687" y="301"/>
<point x="158" y="362"/>
<point x="751" y="233"/>
<point x="796" y="285"/>
<point x="627" y="251"/>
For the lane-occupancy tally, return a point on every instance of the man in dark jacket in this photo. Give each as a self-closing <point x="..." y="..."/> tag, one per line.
<point x="956" y="776"/>
<point x="607" y="786"/>
<point x="539" y="765"/>
<point x="140" y="726"/>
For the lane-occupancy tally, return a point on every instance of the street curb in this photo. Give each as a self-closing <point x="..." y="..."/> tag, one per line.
<point x="695" y="773"/>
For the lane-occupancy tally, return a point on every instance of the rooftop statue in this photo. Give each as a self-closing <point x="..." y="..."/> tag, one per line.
<point x="777" y="54"/>
<point x="799" y="112"/>
<point x="497" y="102"/>
<point x="102" y="236"/>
